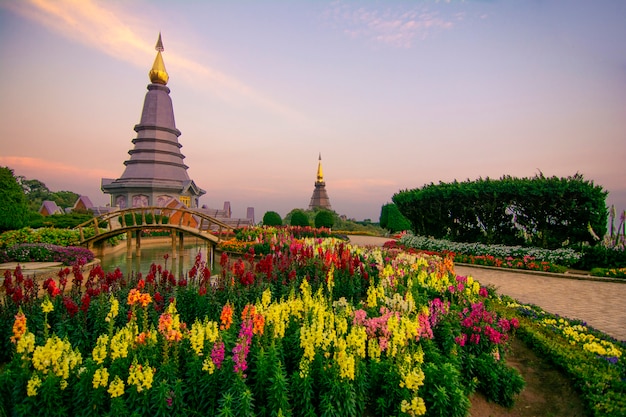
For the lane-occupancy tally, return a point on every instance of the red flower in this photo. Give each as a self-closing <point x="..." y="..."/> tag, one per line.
<point x="70" y="306"/>
<point x="84" y="303"/>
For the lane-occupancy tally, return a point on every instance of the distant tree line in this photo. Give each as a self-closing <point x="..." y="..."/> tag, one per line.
<point x="21" y="199"/>
<point x="546" y="212"/>
<point x="37" y="192"/>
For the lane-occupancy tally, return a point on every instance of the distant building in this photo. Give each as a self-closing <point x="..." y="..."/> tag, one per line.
<point x="320" y="199"/>
<point x="48" y="208"/>
<point x="155" y="172"/>
<point x="83" y="204"/>
<point x="224" y="215"/>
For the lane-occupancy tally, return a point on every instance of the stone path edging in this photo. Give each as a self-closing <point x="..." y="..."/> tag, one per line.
<point x="565" y="275"/>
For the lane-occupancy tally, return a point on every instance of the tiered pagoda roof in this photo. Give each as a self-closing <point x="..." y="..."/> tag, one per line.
<point x="155" y="171"/>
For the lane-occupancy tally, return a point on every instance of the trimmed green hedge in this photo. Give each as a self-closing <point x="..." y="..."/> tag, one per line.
<point x="540" y="211"/>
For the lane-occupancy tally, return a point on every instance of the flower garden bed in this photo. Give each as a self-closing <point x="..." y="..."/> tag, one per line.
<point x="314" y="327"/>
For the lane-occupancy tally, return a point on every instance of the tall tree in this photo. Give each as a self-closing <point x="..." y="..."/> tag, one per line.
<point x="36" y="192"/>
<point x="13" y="206"/>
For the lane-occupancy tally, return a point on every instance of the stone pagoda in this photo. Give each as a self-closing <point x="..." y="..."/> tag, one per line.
<point x="155" y="173"/>
<point x="320" y="199"/>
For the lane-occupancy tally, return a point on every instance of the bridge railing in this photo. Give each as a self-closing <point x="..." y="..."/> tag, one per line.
<point x="177" y="218"/>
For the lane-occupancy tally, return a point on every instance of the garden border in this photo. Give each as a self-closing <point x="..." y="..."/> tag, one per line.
<point x="565" y="275"/>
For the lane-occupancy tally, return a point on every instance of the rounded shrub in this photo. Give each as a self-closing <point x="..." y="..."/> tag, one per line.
<point x="324" y="218"/>
<point x="271" y="218"/>
<point x="299" y="218"/>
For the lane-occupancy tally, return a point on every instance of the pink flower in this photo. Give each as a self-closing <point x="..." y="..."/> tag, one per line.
<point x="217" y="354"/>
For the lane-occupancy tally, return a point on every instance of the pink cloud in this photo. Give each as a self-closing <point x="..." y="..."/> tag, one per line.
<point x="393" y="27"/>
<point x="57" y="175"/>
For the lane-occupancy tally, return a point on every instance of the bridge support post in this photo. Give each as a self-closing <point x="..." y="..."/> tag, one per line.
<point x="181" y="243"/>
<point x="173" y="234"/>
<point x="129" y="242"/>
<point x="210" y="251"/>
<point x="138" y="244"/>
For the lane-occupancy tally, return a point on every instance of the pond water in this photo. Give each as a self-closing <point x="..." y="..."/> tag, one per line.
<point x="151" y="253"/>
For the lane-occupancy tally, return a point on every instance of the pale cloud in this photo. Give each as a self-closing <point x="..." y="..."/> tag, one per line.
<point x="395" y="27"/>
<point x="107" y="27"/>
<point x="37" y="168"/>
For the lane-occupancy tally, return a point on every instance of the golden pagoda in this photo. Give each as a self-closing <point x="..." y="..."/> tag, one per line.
<point x="158" y="73"/>
<point x="320" y="199"/>
<point x="155" y="172"/>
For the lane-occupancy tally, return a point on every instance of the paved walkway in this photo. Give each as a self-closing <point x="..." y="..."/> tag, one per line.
<point x="601" y="304"/>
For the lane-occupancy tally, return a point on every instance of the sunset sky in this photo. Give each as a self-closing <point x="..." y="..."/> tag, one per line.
<point x="394" y="94"/>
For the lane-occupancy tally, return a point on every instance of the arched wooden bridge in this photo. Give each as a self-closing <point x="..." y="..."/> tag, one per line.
<point x="181" y="220"/>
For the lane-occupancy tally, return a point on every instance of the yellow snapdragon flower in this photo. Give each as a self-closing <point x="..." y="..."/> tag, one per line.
<point x="208" y="365"/>
<point x="416" y="407"/>
<point x="116" y="388"/>
<point x="100" y="378"/>
<point x="56" y="356"/>
<point x="26" y="344"/>
<point x="47" y="305"/>
<point x="122" y="340"/>
<point x="114" y="311"/>
<point x="196" y="337"/>
<point x="141" y="376"/>
<point x="99" y="352"/>
<point x="33" y="383"/>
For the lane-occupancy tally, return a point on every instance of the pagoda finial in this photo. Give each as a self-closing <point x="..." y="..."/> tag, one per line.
<point x="158" y="73"/>
<point x="159" y="44"/>
<point x="320" y="173"/>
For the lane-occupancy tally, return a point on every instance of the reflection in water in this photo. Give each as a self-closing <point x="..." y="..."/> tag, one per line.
<point x="156" y="254"/>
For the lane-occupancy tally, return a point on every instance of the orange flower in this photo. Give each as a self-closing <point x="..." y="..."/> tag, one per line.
<point x="170" y="327"/>
<point x="145" y="299"/>
<point x="141" y="338"/>
<point x="133" y="296"/>
<point x="19" y="327"/>
<point x="259" y="324"/>
<point x="226" y="317"/>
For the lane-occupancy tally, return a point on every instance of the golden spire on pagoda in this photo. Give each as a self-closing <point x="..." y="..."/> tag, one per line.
<point x="320" y="173"/>
<point x="158" y="73"/>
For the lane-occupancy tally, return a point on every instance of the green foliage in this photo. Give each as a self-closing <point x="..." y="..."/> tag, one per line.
<point x="13" y="204"/>
<point x="442" y="391"/>
<point x="272" y="218"/>
<point x="539" y="211"/>
<point x="37" y="192"/>
<point x="64" y="198"/>
<point x="498" y="382"/>
<point x="600" y="256"/>
<point x="61" y="221"/>
<point x="392" y="220"/>
<point x="130" y="219"/>
<point x="601" y="380"/>
<point x="609" y="272"/>
<point x="324" y="218"/>
<point x="299" y="218"/>
<point x="60" y="237"/>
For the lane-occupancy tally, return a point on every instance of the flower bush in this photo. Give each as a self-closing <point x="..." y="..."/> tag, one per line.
<point x="609" y="272"/>
<point x="44" y="252"/>
<point x="527" y="263"/>
<point x="315" y="327"/>
<point x="49" y="235"/>
<point x="593" y="360"/>
<point x="564" y="257"/>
